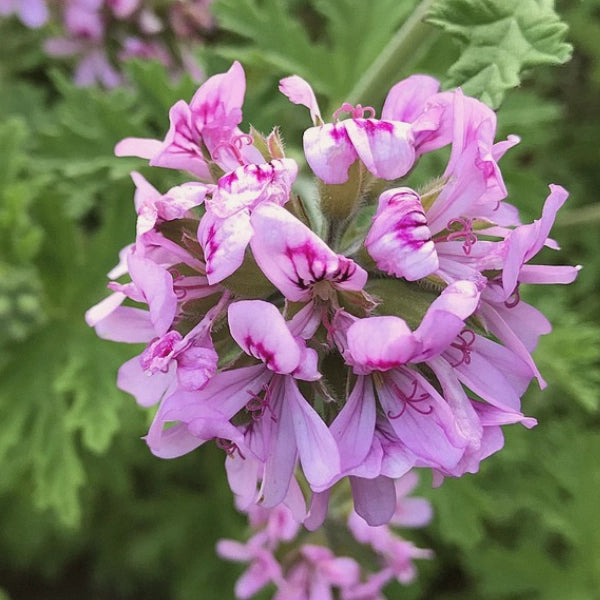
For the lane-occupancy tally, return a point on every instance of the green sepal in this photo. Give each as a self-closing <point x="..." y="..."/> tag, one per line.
<point x="340" y="200"/>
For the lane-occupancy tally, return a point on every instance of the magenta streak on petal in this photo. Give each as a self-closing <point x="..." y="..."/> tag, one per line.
<point x="210" y="247"/>
<point x="408" y="223"/>
<point x="258" y="350"/>
<point x="372" y="125"/>
<point x="344" y="271"/>
<point x="410" y="401"/>
<point x="338" y="133"/>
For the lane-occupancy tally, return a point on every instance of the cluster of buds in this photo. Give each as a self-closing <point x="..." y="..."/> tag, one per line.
<point x="338" y="344"/>
<point x="302" y="564"/>
<point x="101" y="34"/>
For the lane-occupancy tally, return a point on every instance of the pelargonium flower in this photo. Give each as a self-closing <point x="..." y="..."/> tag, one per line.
<point x="315" y="349"/>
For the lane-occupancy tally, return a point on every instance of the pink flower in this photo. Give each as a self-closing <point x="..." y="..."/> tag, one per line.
<point x="385" y="147"/>
<point x="225" y="230"/>
<point x="207" y="125"/>
<point x="282" y="425"/>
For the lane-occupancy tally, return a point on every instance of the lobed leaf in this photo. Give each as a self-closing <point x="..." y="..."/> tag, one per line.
<point x="500" y="39"/>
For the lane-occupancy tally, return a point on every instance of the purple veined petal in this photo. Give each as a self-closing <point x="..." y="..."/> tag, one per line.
<point x="374" y="499"/>
<point x="317" y="449"/>
<point x="406" y="99"/>
<point x="493" y="372"/>
<point x="217" y="103"/>
<point x="156" y="284"/>
<point x="495" y="323"/>
<point x="140" y="147"/>
<point x="145" y="388"/>
<point x="399" y="240"/>
<point x="467" y="420"/>
<point x="224" y="242"/>
<point x="526" y="241"/>
<point x="250" y="184"/>
<point x="125" y="324"/>
<point x="329" y="152"/>
<point x="319" y="506"/>
<point x="294" y="258"/>
<point x="526" y="321"/>
<point x="548" y="274"/>
<point x="471" y="120"/>
<point x="260" y="330"/>
<point x="299" y="91"/>
<point x="380" y="343"/>
<point x="444" y="319"/>
<point x="181" y="148"/>
<point x="354" y="426"/>
<point x="386" y="148"/>
<point x="282" y="454"/>
<point x="421" y="418"/>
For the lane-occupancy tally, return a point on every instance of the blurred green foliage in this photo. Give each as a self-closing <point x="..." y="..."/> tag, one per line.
<point x="85" y="510"/>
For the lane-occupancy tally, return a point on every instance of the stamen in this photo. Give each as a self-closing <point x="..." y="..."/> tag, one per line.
<point x="466" y="339"/>
<point x="229" y="447"/>
<point x="357" y="112"/>
<point x="410" y="400"/>
<point x="257" y="406"/>
<point x="465" y="230"/>
<point x="234" y="147"/>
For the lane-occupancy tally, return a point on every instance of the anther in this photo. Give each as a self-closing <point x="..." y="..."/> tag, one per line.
<point x="465" y="340"/>
<point x="229" y="447"/>
<point x="357" y="112"/>
<point x="411" y="400"/>
<point x="465" y="231"/>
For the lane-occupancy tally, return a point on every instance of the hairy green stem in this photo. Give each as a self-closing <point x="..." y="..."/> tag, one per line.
<point x="403" y="49"/>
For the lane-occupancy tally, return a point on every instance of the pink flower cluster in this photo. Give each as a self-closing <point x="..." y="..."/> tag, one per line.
<point x="351" y="357"/>
<point x="100" y="34"/>
<point x="300" y="567"/>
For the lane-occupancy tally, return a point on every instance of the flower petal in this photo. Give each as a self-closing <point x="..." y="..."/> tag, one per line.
<point x="260" y="330"/>
<point x="386" y="148"/>
<point x="224" y="242"/>
<point x="399" y="240"/>
<point x="294" y="258"/>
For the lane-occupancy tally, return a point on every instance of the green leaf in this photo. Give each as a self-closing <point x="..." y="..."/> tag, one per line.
<point x="331" y="44"/>
<point x="500" y="39"/>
